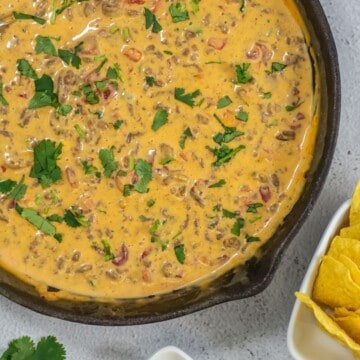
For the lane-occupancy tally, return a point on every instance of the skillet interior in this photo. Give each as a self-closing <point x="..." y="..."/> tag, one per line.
<point x="249" y="279"/>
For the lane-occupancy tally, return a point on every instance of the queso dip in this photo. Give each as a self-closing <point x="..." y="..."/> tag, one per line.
<point x="148" y="144"/>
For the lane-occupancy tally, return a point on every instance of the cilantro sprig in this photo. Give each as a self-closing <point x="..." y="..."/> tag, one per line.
<point x="13" y="190"/>
<point x="108" y="162"/>
<point x="151" y="21"/>
<point x="243" y="76"/>
<point x="160" y="119"/>
<point x="180" y="253"/>
<point x="185" y="135"/>
<point x="178" y="12"/>
<point x="228" y="135"/>
<point x="188" y="99"/>
<point x="276" y="67"/>
<point x="22" y="16"/>
<point x="224" y="154"/>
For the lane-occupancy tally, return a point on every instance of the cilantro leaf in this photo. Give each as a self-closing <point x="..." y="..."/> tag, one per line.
<point x="218" y="184"/>
<point x="44" y="93"/>
<point x="238" y="225"/>
<point x="26" y="69"/>
<point x="151" y="21"/>
<point x="186" y="134"/>
<point x="45" y="168"/>
<point x="18" y="192"/>
<point x="290" y="108"/>
<point x="267" y="95"/>
<point x="108" y="162"/>
<point x="2" y="99"/>
<point x="228" y="214"/>
<point x="44" y="45"/>
<point x="276" y="67"/>
<point x="74" y="218"/>
<point x="160" y="119"/>
<point x="114" y="73"/>
<point x="250" y="239"/>
<point x="230" y="133"/>
<point x="150" y="80"/>
<point x="242" y="116"/>
<point x="117" y="124"/>
<point x="224" y="154"/>
<point x="180" y="253"/>
<point x="33" y="217"/>
<point x="88" y="168"/>
<point x="223" y="102"/>
<point x="7" y="185"/>
<point x="49" y="348"/>
<point x="63" y="109"/>
<point x="107" y="251"/>
<point x="22" y="348"/>
<point x="195" y="5"/>
<point x="252" y="208"/>
<point x="150" y="203"/>
<point x="90" y="95"/>
<point x="64" y="5"/>
<point x="22" y="16"/>
<point x="178" y="12"/>
<point x="55" y="218"/>
<point x="71" y="58"/>
<point x="242" y="74"/>
<point x="187" y="99"/>
<point x="143" y="170"/>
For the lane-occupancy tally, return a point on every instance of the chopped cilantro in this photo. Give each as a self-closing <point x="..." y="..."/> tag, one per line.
<point x="81" y="132"/>
<point x="150" y="80"/>
<point x="238" y="225"/>
<point x="58" y="237"/>
<point x="22" y="16"/>
<point x="64" y="5"/>
<point x="276" y="67"/>
<point x="224" y="154"/>
<point x="178" y="12"/>
<point x="45" y="168"/>
<point x="160" y="119"/>
<point x="223" y="102"/>
<point x="90" y="95"/>
<point x="180" y="253"/>
<point x="44" y="93"/>
<point x="228" y="214"/>
<point x="242" y="74"/>
<point x="252" y="208"/>
<point x="12" y="189"/>
<point x="107" y="250"/>
<point x="267" y="95"/>
<point x="114" y="73"/>
<point x="26" y="69"/>
<point x="33" y="217"/>
<point x="195" y="5"/>
<point x="44" y="45"/>
<point x="251" y="239"/>
<point x="64" y="109"/>
<point x="242" y="116"/>
<point x="243" y="6"/>
<point x="75" y="218"/>
<point x="103" y="60"/>
<point x="218" y="184"/>
<point x="187" y="99"/>
<point x="155" y="226"/>
<point x="167" y="161"/>
<point x="24" y="348"/>
<point x="7" y="185"/>
<point x="151" y="21"/>
<point x="290" y="108"/>
<point x="127" y="189"/>
<point x="230" y="133"/>
<point x="217" y="208"/>
<point x="150" y="203"/>
<point x="117" y="124"/>
<point x="55" y="218"/>
<point x="2" y="99"/>
<point x="143" y="170"/>
<point x="71" y="58"/>
<point x="108" y="162"/>
<point x="88" y="168"/>
<point x="186" y="134"/>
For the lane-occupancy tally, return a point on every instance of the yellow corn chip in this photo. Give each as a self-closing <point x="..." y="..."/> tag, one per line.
<point x="352" y="232"/>
<point x="345" y="246"/>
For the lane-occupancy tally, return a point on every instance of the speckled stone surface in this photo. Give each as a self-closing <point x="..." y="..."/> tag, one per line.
<point x="247" y="329"/>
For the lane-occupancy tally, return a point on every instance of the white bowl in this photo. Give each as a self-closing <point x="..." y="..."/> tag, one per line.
<point x="170" y="353"/>
<point x="305" y="339"/>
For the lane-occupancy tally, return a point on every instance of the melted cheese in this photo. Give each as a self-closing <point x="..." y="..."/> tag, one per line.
<point x="193" y="230"/>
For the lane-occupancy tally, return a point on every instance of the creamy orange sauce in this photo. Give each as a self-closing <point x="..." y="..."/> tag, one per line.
<point x="246" y="70"/>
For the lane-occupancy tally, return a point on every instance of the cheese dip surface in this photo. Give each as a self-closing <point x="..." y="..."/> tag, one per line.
<point x="148" y="144"/>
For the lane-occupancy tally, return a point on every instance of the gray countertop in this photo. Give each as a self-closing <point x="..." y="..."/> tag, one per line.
<point x="254" y="328"/>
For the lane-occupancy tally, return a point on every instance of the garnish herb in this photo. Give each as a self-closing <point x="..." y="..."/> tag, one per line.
<point x="276" y="67"/>
<point x="251" y="239"/>
<point x="108" y="162"/>
<point x="107" y="251"/>
<point x="155" y="226"/>
<point x="242" y="74"/>
<point x="71" y="58"/>
<point x="224" y="154"/>
<point x="2" y="99"/>
<point x="160" y="119"/>
<point x="55" y="218"/>
<point x="88" y="168"/>
<point x="44" y="45"/>
<point x="217" y="208"/>
<point x="114" y="73"/>
<point x="218" y="184"/>
<point x="180" y="253"/>
<point x="103" y="60"/>
<point x="230" y="133"/>
<point x="33" y="217"/>
<point x="64" y="109"/>
<point x="143" y="170"/>
<point x="117" y="124"/>
<point x="290" y="108"/>
<point x="195" y="5"/>
<point x="267" y="95"/>
<point x="150" y="80"/>
<point x="167" y="161"/>
<point x="45" y="168"/>
<point x="178" y="12"/>
<point x="228" y="214"/>
<point x="63" y="6"/>
<point x="243" y="6"/>
<point x="163" y="244"/>
<point x="186" y="134"/>
<point x="44" y="93"/>
<point x="238" y="225"/>
<point x="151" y="21"/>
<point x="26" y="69"/>
<point x="90" y="95"/>
<point x="12" y="189"/>
<point x="22" y="16"/>
<point x="24" y="348"/>
<point x="75" y="218"/>
<point x="127" y="189"/>
<point x="150" y="203"/>
<point x="81" y="132"/>
<point x="242" y="116"/>
<point x="252" y="208"/>
<point x="223" y="102"/>
<point x="187" y="99"/>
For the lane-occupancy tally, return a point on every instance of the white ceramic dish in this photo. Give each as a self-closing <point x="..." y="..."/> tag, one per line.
<point x="170" y="353"/>
<point x="306" y="341"/>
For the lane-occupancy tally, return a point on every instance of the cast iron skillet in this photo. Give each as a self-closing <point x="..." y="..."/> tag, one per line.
<point x="254" y="276"/>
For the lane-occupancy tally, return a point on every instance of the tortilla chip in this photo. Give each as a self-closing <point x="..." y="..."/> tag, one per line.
<point x="343" y="312"/>
<point x="352" y="232"/>
<point x="347" y="247"/>
<point x="334" y="286"/>
<point x="351" y="325"/>
<point x="329" y="324"/>
<point x="354" y="216"/>
<point x="352" y="267"/>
